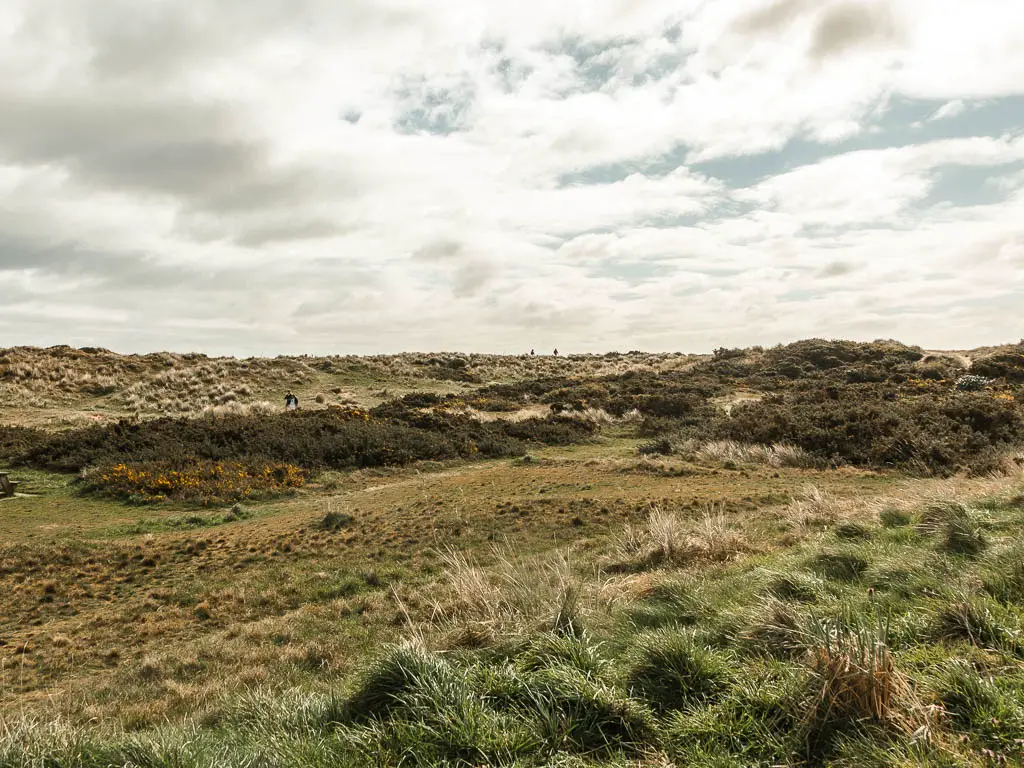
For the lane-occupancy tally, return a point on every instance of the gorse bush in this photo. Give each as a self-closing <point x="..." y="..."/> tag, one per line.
<point x="206" y="482"/>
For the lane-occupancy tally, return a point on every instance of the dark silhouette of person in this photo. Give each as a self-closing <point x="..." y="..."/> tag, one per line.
<point x="531" y="353"/>
<point x="291" y="402"/>
<point x="556" y="351"/>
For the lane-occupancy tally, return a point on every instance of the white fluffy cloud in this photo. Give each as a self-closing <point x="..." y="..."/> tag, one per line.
<point x="378" y="175"/>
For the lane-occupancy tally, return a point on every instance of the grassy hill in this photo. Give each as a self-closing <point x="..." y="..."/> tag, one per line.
<point x="61" y="386"/>
<point x="804" y="555"/>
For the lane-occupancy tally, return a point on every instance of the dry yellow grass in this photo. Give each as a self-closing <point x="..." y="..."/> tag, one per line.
<point x="60" y="386"/>
<point x="857" y="680"/>
<point x="670" y="537"/>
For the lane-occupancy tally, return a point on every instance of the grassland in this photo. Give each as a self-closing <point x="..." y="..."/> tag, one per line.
<point x="654" y="590"/>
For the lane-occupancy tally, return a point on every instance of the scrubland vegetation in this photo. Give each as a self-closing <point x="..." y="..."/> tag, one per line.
<point x="805" y="555"/>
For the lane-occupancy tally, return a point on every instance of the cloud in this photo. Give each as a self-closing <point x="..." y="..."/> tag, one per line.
<point x="851" y="24"/>
<point x="439" y="250"/>
<point x="471" y="278"/>
<point x="836" y="269"/>
<point x="875" y="187"/>
<point x="949" y="109"/>
<point x="254" y="177"/>
<point x="771" y="18"/>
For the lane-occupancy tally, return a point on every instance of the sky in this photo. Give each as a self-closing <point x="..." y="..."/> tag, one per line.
<point x="256" y="177"/>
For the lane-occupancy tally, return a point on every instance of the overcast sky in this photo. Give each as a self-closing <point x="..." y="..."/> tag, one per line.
<point x="315" y="176"/>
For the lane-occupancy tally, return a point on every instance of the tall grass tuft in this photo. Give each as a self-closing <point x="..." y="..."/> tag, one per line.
<point x="977" y="620"/>
<point x="667" y="604"/>
<point x="399" y="673"/>
<point x="798" y="587"/>
<point x="980" y="707"/>
<point x="956" y="527"/>
<point x="732" y="451"/>
<point x="855" y="680"/>
<point x="670" y="670"/>
<point x="963" y="537"/>
<point x="551" y="649"/>
<point x="667" y="538"/>
<point x="577" y="713"/>
<point x="841" y="566"/>
<point x="1003" y="578"/>
<point x="776" y="632"/>
<point x="515" y="595"/>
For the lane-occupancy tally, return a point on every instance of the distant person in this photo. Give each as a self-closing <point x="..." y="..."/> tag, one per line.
<point x="556" y="352"/>
<point x="291" y="402"/>
<point x="531" y="353"/>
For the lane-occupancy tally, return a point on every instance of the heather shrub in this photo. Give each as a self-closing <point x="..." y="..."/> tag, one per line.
<point x="334" y="438"/>
<point x="335" y="521"/>
<point x="1007" y="365"/>
<point x="553" y="431"/>
<point x="671" y="394"/>
<point x="935" y="370"/>
<point x="819" y="354"/>
<point x="926" y="435"/>
<point x="726" y="353"/>
<point x="17" y="440"/>
<point x="421" y="400"/>
<point x="879" y="404"/>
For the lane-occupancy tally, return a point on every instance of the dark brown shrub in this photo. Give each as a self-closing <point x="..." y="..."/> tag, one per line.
<point x="336" y="438"/>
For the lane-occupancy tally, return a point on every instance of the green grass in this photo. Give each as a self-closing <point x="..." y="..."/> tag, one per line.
<point x="671" y="671"/>
<point x="185" y="522"/>
<point x="896" y="650"/>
